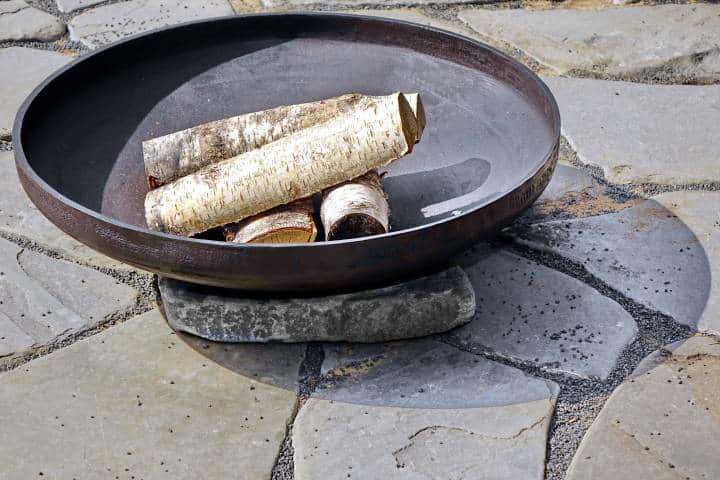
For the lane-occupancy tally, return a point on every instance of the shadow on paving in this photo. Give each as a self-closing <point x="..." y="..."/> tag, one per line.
<point x="528" y="316"/>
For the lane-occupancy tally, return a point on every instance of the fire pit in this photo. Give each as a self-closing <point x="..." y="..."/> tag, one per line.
<point x="490" y="151"/>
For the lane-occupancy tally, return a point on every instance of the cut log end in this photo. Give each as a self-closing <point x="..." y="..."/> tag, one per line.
<point x="291" y="223"/>
<point x="355" y="225"/>
<point x="355" y="209"/>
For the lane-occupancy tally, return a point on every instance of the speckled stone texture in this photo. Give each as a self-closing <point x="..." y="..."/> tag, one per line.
<point x="533" y="314"/>
<point x="21" y="70"/>
<point x="663" y="253"/>
<point x="136" y="401"/>
<point x="681" y="40"/>
<point x="44" y="300"/>
<point x="20" y="21"/>
<point x="108" y="23"/>
<point x="418" y="410"/>
<point x="419" y="307"/>
<point x="663" y="424"/>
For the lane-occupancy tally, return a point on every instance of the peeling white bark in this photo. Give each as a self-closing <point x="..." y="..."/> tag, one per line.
<point x="368" y="136"/>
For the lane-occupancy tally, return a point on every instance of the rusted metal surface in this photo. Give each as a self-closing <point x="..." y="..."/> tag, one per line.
<point x="488" y="152"/>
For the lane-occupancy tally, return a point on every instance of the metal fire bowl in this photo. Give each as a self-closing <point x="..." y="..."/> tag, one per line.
<point x="489" y="149"/>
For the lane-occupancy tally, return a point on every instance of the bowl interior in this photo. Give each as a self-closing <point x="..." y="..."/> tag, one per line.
<point x="487" y="129"/>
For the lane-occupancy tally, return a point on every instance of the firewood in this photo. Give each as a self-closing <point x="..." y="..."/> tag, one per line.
<point x="175" y="155"/>
<point x="355" y="209"/>
<point x="351" y="144"/>
<point x="359" y="208"/>
<point x="292" y="223"/>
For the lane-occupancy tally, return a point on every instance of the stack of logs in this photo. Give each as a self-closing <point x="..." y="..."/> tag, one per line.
<point x="254" y="175"/>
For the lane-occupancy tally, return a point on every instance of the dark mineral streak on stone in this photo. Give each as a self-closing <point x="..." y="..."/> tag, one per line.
<point x="422" y="306"/>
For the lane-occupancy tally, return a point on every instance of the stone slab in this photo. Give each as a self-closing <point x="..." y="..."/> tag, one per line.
<point x="625" y="129"/>
<point x="674" y="40"/>
<point x="422" y="410"/>
<point x="108" y="23"/>
<point x="18" y="216"/>
<point x="22" y="69"/>
<point x="416" y="308"/>
<point x="663" y="253"/>
<point x="43" y="300"/>
<point x="135" y="400"/>
<point x="21" y="22"/>
<point x="663" y="424"/>
<point x="530" y="313"/>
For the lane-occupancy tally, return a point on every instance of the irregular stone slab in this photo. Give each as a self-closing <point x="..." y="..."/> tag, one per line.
<point x="663" y="253"/>
<point x="530" y="313"/>
<point x="416" y="308"/>
<point x="22" y="69"/>
<point x="18" y="216"/>
<point x="664" y="424"/>
<point x="106" y="24"/>
<point x="21" y="22"/>
<point x="607" y="124"/>
<point x="422" y="410"/>
<point x="676" y="40"/>
<point x="43" y="300"/>
<point x="134" y="400"/>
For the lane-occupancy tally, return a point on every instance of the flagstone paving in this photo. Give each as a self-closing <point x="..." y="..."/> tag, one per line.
<point x="423" y="410"/>
<point x="531" y="313"/>
<point x="43" y="300"/>
<point x="108" y="23"/>
<point x="136" y="401"/>
<point x="662" y="424"/>
<point x="20" y="21"/>
<point x="581" y="291"/>
<point x="663" y="253"/>
<point x="670" y="41"/>
<point x="607" y="124"/>
<point x="21" y="70"/>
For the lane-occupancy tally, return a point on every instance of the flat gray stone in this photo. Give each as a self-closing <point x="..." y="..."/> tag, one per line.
<point x="22" y="69"/>
<point x="43" y="300"/>
<point x="530" y="313"/>
<point x="21" y="22"/>
<point x="421" y="410"/>
<point x="664" y="424"/>
<point x="419" y="307"/>
<point x="108" y="23"/>
<point x="663" y="253"/>
<point x="681" y="40"/>
<point x="624" y="128"/>
<point x="135" y="400"/>
<point x="18" y="216"/>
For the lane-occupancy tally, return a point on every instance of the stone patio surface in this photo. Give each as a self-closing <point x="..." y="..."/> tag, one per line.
<point x="593" y="351"/>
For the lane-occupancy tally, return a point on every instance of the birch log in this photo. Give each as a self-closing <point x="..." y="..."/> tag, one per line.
<point x="359" y="208"/>
<point x="355" y="209"/>
<point x="292" y="167"/>
<point x="181" y="153"/>
<point x="291" y="223"/>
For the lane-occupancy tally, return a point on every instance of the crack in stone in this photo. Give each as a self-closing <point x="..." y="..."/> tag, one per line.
<point x="25" y="7"/>
<point x="434" y="428"/>
<point x="652" y="453"/>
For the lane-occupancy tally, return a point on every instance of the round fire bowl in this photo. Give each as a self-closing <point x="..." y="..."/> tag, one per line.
<point x="487" y="153"/>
